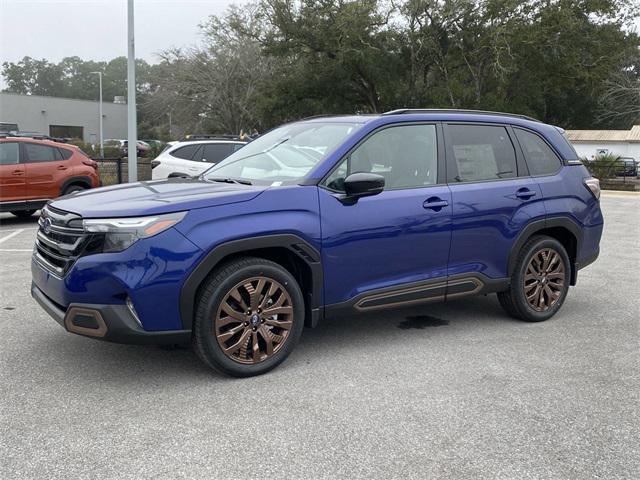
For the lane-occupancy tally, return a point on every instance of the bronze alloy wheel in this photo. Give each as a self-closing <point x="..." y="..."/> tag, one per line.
<point x="254" y="320"/>
<point x="544" y="279"/>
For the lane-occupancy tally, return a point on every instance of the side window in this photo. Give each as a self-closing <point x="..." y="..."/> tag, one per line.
<point x="41" y="153"/>
<point x="481" y="152"/>
<point x="185" y="152"/>
<point x="216" y="152"/>
<point x="541" y="160"/>
<point x="406" y="156"/>
<point x="237" y="146"/>
<point x="9" y="153"/>
<point x="66" y="153"/>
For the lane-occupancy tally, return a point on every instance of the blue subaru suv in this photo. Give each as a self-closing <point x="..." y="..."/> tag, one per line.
<point x="323" y="217"/>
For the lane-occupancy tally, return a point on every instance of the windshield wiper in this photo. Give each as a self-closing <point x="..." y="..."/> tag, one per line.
<point x="230" y="180"/>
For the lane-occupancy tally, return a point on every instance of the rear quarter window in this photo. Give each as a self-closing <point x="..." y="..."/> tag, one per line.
<point x="187" y="152"/>
<point x="540" y="158"/>
<point x="65" y="153"/>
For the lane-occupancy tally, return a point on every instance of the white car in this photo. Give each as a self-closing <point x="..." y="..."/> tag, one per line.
<point x="192" y="157"/>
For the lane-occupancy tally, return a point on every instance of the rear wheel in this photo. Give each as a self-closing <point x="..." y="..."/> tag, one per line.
<point x="540" y="282"/>
<point x="23" y="213"/>
<point x="249" y="317"/>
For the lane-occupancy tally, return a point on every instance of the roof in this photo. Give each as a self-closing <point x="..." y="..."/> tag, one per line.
<point x="628" y="136"/>
<point x="434" y="113"/>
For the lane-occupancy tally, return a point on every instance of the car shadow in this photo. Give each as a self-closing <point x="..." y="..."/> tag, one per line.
<point x="155" y="365"/>
<point x="10" y="220"/>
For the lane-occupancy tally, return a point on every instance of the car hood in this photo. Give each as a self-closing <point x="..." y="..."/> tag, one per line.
<point x="155" y="197"/>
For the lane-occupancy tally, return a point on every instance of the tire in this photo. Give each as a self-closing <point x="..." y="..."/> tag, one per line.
<point x="23" y="213"/>
<point x="542" y="271"/>
<point x="227" y="317"/>
<point x="72" y="189"/>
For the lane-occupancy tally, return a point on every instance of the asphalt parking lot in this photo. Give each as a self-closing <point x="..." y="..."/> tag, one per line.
<point x="456" y="390"/>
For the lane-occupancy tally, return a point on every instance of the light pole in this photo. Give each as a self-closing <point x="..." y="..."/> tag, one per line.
<point x="101" y="133"/>
<point x="132" y="133"/>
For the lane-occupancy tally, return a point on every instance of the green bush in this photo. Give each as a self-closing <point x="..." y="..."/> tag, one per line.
<point x="84" y="146"/>
<point x="156" y="150"/>
<point x="604" y="166"/>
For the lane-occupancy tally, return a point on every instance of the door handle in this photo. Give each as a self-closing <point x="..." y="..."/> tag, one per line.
<point x="17" y="173"/>
<point x="525" y="193"/>
<point x="435" y="203"/>
<point x="62" y="167"/>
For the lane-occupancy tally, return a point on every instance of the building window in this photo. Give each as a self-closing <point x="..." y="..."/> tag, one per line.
<point x="66" y="131"/>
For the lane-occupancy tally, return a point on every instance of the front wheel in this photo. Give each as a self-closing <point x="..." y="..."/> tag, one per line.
<point x="249" y="317"/>
<point x="540" y="282"/>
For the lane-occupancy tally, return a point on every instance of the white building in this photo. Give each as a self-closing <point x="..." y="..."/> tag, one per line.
<point x="63" y="117"/>
<point x="591" y="143"/>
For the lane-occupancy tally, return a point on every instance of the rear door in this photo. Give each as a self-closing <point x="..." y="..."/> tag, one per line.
<point x="493" y="197"/>
<point x="213" y="153"/>
<point x="13" y="185"/>
<point x="46" y="171"/>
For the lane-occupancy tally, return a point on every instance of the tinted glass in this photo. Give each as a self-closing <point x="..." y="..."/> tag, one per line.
<point x="185" y="152"/>
<point x="41" y="153"/>
<point x="406" y="156"/>
<point x="9" y="153"/>
<point x="482" y="152"/>
<point x="66" y="153"/>
<point x="541" y="160"/>
<point x="216" y="152"/>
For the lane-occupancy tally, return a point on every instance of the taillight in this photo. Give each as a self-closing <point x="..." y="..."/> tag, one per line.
<point x="154" y="163"/>
<point x="90" y="163"/>
<point x="593" y="184"/>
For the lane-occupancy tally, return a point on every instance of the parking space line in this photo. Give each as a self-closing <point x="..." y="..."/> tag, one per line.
<point x="16" y="249"/>
<point x="11" y="235"/>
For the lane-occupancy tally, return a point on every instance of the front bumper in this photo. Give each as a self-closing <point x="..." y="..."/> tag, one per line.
<point x="112" y="323"/>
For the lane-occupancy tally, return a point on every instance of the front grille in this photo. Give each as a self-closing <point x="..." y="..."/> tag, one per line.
<point x="60" y="241"/>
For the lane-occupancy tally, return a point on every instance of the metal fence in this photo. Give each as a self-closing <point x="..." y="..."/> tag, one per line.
<point x="116" y="170"/>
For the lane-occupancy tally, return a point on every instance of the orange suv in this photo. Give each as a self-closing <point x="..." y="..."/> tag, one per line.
<point x="33" y="171"/>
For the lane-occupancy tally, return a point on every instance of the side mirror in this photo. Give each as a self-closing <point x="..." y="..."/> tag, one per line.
<point x="362" y="184"/>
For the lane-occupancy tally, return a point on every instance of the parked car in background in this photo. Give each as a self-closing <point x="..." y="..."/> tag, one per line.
<point x="627" y="167"/>
<point x="376" y="212"/>
<point x="142" y="147"/>
<point x="153" y="143"/>
<point x="34" y="171"/>
<point x="193" y="156"/>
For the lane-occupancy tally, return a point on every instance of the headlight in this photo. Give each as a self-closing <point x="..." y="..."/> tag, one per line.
<point x="121" y="233"/>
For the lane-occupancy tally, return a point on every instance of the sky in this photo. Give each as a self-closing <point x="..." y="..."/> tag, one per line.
<point x="97" y="29"/>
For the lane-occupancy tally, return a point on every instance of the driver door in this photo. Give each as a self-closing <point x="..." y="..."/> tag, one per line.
<point x="390" y="249"/>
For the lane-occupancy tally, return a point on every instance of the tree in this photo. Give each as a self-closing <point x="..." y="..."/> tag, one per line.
<point x="217" y="87"/>
<point x="573" y="63"/>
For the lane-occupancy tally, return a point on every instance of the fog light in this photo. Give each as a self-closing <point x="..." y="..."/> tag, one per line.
<point x="133" y="311"/>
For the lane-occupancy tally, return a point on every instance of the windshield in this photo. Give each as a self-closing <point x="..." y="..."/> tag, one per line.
<point x="282" y="156"/>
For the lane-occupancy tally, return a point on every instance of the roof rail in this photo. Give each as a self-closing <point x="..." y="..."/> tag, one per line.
<point x="210" y="137"/>
<point x="34" y="136"/>
<point x="401" y="111"/>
